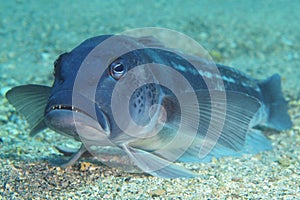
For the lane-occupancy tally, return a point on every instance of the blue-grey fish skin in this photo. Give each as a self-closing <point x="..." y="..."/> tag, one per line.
<point x="267" y="105"/>
<point x="268" y="92"/>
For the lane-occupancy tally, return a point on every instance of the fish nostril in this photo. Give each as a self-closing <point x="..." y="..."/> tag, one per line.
<point x="61" y="80"/>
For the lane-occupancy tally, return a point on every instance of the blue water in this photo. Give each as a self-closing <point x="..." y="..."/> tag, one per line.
<point x="260" y="37"/>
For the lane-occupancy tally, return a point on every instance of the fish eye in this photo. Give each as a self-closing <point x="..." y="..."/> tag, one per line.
<point x="117" y="69"/>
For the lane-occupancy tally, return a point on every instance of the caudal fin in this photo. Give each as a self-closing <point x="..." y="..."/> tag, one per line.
<point x="279" y="118"/>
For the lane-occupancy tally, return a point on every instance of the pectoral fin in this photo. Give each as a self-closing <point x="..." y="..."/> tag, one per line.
<point x="238" y="109"/>
<point x="74" y="157"/>
<point x="156" y="165"/>
<point x="30" y="101"/>
<point x="224" y="123"/>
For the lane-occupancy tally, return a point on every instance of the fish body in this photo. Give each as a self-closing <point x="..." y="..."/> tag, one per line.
<point x="229" y="105"/>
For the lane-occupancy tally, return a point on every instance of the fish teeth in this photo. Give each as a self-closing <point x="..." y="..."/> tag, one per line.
<point x="63" y="107"/>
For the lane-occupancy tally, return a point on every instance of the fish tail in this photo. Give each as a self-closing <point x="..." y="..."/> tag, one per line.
<point x="278" y="117"/>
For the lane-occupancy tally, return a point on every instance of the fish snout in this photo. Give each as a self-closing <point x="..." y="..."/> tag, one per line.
<point x="69" y="114"/>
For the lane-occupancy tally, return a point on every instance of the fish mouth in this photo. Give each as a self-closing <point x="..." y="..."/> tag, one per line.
<point x="76" y="122"/>
<point x="85" y="122"/>
<point x="74" y="114"/>
<point x="67" y="107"/>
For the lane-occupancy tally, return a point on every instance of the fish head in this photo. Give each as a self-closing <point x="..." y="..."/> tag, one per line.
<point x="61" y="115"/>
<point x="95" y="87"/>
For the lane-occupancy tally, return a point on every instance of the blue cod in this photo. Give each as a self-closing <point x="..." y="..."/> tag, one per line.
<point x="249" y="103"/>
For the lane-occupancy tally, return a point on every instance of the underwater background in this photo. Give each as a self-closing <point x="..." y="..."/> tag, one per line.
<point x="257" y="37"/>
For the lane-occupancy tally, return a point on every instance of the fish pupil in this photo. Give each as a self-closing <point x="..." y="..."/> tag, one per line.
<point x="119" y="68"/>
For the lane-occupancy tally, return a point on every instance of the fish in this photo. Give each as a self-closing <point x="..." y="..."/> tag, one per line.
<point x="156" y="106"/>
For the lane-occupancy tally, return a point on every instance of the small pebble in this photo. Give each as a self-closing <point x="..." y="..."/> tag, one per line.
<point x="284" y="162"/>
<point x="86" y="166"/>
<point x="157" y="192"/>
